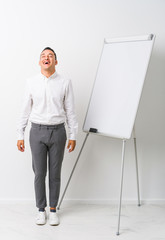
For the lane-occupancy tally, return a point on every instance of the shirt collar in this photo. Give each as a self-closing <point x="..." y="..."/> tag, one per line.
<point x="51" y="77"/>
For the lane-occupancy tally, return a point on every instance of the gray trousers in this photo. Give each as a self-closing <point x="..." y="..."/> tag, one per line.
<point x="47" y="140"/>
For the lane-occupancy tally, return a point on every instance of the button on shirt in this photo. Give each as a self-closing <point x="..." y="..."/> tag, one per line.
<point x="48" y="101"/>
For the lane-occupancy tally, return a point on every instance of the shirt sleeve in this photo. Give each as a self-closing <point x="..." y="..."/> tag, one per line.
<point x="70" y="111"/>
<point x="25" y="111"/>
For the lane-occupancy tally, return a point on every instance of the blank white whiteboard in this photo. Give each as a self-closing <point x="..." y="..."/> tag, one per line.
<point x="118" y="86"/>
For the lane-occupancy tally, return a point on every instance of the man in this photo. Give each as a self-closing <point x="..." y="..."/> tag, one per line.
<point x="48" y="101"/>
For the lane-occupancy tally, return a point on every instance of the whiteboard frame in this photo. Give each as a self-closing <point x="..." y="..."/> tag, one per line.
<point x="149" y="37"/>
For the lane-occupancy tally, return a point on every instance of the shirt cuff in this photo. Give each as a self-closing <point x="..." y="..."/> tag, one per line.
<point x="72" y="136"/>
<point x="20" y="136"/>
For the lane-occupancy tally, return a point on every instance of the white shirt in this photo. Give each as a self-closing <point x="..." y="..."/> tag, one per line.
<point x="48" y="101"/>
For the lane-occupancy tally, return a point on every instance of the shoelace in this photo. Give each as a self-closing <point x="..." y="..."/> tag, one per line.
<point x="53" y="216"/>
<point x="40" y="214"/>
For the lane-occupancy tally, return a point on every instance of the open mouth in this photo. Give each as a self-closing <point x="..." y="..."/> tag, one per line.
<point x="45" y="63"/>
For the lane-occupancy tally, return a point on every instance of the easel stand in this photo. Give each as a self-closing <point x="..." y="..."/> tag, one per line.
<point x="72" y="171"/>
<point x="122" y="175"/>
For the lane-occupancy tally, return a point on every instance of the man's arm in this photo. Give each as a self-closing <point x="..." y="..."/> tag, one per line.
<point x="23" y="117"/>
<point x="70" y="116"/>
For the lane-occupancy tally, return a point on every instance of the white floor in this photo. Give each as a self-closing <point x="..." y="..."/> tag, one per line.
<point x="84" y="222"/>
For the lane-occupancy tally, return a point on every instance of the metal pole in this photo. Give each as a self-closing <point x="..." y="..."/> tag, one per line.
<point x="121" y="185"/>
<point x="136" y="162"/>
<point x="72" y="171"/>
<point x="137" y="175"/>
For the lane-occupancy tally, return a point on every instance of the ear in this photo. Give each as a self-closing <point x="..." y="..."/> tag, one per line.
<point x="56" y="62"/>
<point x="39" y="63"/>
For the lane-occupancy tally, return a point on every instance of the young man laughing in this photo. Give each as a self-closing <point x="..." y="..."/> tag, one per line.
<point x="48" y="102"/>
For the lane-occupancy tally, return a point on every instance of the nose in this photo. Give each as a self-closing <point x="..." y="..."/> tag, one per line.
<point x="47" y="57"/>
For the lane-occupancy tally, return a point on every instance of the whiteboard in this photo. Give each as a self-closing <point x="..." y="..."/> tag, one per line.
<point x="118" y="86"/>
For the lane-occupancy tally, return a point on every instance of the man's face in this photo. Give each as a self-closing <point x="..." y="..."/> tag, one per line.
<point x="47" y="60"/>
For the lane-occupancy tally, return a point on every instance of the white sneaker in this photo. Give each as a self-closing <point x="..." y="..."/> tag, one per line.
<point x="41" y="218"/>
<point x="54" y="219"/>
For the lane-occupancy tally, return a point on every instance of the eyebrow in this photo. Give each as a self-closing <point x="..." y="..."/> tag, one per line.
<point x="44" y="54"/>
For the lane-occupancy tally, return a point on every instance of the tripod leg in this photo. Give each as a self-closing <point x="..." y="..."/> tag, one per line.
<point x="137" y="175"/>
<point x="121" y="185"/>
<point x="72" y="172"/>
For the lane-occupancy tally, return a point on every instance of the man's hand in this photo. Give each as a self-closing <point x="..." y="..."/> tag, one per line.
<point x="20" y="145"/>
<point x="71" y="145"/>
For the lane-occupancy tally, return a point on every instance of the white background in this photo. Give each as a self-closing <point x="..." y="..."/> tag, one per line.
<point x="76" y="29"/>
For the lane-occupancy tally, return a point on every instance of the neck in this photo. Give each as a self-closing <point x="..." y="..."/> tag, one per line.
<point x="47" y="73"/>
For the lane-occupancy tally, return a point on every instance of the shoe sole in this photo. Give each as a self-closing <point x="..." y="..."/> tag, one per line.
<point x="54" y="224"/>
<point x="40" y="223"/>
